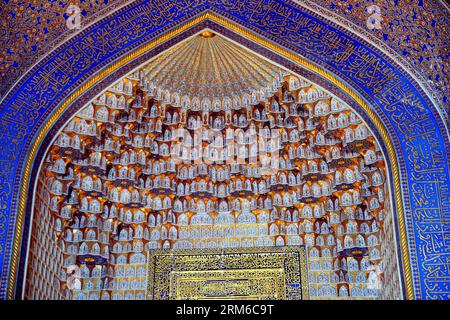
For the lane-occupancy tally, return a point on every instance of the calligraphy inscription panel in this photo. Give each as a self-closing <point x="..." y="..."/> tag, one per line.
<point x="251" y="284"/>
<point x="244" y="273"/>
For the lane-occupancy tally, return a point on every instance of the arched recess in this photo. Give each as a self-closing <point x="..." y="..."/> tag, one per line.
<point x="284" y="33"/>
<point x="259" y="212"/>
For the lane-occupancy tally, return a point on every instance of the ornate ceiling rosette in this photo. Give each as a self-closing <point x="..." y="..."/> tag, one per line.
<point x="211" y="72"/>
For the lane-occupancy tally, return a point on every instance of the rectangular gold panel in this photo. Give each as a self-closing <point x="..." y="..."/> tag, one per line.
<point x="255" y="284"/>
<point x="241" y="273"/>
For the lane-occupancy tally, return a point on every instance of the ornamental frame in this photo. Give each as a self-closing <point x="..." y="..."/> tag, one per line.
<point x="291" y="261"/>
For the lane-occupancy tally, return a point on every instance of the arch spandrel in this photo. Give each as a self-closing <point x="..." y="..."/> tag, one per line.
<point x="418" y="133"/>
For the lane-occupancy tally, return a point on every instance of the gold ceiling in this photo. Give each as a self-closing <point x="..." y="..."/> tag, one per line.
<point x="209" y="65"/>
